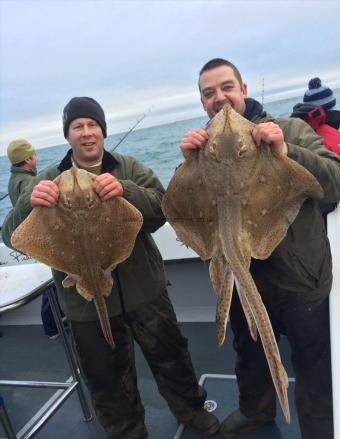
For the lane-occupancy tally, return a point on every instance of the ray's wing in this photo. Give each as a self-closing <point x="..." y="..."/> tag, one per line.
<point x="190" y="209"/>
<point x="43" y="235"/>
<point x="273" y="199"/>
<point x="59" y="238"/>
<point x="111" y="230"/>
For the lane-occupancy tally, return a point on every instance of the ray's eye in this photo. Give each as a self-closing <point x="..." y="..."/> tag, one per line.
<point x="242" y="151"/>
<point x="89" y="201"/>
<point x="67" y="203"/>
<point x="213" y="149"/>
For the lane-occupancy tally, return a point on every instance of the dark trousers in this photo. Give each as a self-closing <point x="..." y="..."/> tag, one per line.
<point x="111" y="374"/>
<point x="49" y="324"/>
<point x="307" y="329"/>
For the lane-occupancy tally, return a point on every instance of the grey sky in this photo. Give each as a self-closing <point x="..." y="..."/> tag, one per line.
<point x="132" y="55"/>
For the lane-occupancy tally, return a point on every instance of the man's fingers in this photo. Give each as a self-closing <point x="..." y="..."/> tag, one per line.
<point x="103" y="180"/>
<point x="272" y="134"/>
<point x="268" y="132"/>
<point x="107" y="186"/>
<point x="199" y="137"/>
<point x="48" y="187"/>
<point x="193" y="140"/>
<point x="256" y="136"/>
<point x="45" y="193"/>
<point x="43" y="199"/>
<point x="116" y="192"/>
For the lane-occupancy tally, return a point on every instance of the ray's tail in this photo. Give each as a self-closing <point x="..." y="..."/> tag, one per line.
<point x="104" y="319"/>
<point x="251" y="296"/>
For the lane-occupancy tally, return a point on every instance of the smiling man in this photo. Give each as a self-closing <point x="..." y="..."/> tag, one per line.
<point x="294" y="282"/>
<point x="84" y="128"/>
<point x="138" y="306"/>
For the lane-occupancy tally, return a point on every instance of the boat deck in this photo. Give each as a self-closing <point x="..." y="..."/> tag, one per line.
<point x="27" y="354"/>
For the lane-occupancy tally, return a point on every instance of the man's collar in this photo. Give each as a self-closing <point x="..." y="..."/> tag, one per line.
<point x="21" y="170"/>
<point x="253" y="109"/>
<point x="108" y="162"/>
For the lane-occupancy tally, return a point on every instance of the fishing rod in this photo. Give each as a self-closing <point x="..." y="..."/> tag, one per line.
<point x="132" y="128"/>
<point x="2" y="197"/>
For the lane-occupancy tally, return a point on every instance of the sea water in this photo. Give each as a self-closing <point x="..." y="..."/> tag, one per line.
<point x="156" y="147"/>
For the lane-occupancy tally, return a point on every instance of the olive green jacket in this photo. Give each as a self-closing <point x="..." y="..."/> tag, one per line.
<point x="302" y="263"/>
<point x="141" y="278"/>
<point x="17" y="182"/>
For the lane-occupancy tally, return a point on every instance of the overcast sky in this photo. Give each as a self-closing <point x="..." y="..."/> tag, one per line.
<point x="132" y="56"/>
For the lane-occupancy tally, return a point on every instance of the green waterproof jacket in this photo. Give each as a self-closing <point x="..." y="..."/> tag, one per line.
<point x="140" y="278"/>
<point x="301" y="266"/>
<point x="19" y="179"/>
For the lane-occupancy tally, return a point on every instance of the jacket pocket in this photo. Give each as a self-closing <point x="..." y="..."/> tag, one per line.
<point x="313" y="266"/>
<point x="305" y="269"/>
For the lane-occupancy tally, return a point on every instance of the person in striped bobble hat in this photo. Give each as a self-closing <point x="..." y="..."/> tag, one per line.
<point x="317" y="96"/>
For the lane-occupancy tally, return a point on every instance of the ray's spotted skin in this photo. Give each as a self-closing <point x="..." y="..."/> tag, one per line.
<point x="83" y="237"/>
<point x="243" y="198"/>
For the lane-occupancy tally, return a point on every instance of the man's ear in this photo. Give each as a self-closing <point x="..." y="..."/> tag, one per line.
<point x="203" y="104"/>
<point x="244" y="89"/>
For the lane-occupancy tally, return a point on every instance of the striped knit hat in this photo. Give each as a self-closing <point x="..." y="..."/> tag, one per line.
<point x="319" y="95"/>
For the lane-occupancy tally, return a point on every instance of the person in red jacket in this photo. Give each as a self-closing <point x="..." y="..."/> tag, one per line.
<point x="317" y="96"/>
<point x="318" y="110"/>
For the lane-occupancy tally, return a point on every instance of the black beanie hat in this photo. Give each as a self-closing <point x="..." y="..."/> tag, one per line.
<point x="83" y="107"/>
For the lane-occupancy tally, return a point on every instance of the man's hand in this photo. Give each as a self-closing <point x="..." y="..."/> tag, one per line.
<point x="45" y="194"/>
<point x="107" y="186"/>
<point x="271" y="134"/>
<point x="193" y="140"/>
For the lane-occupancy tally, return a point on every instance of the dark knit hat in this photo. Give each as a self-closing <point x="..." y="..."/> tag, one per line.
<point x="319" y="95"/>
<point x="83" y="107"/>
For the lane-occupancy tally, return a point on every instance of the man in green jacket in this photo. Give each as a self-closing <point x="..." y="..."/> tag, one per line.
<point x="138" y="306"/>
<point x="294" y="282"/>
<point x="24" y="160"/>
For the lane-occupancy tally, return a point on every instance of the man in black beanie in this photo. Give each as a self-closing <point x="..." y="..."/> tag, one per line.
<point x="139" y="307"/>
<point x="83" y="107"/>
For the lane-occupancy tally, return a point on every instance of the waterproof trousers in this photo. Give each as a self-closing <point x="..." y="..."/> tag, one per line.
<point x="306" y="326"/>
<point x="111" y="374"/>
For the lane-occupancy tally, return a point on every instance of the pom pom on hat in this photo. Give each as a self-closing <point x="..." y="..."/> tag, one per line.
<point x="314" y="83"/>
<point x="319" y="95"/>
<point x="19" y="150"/>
